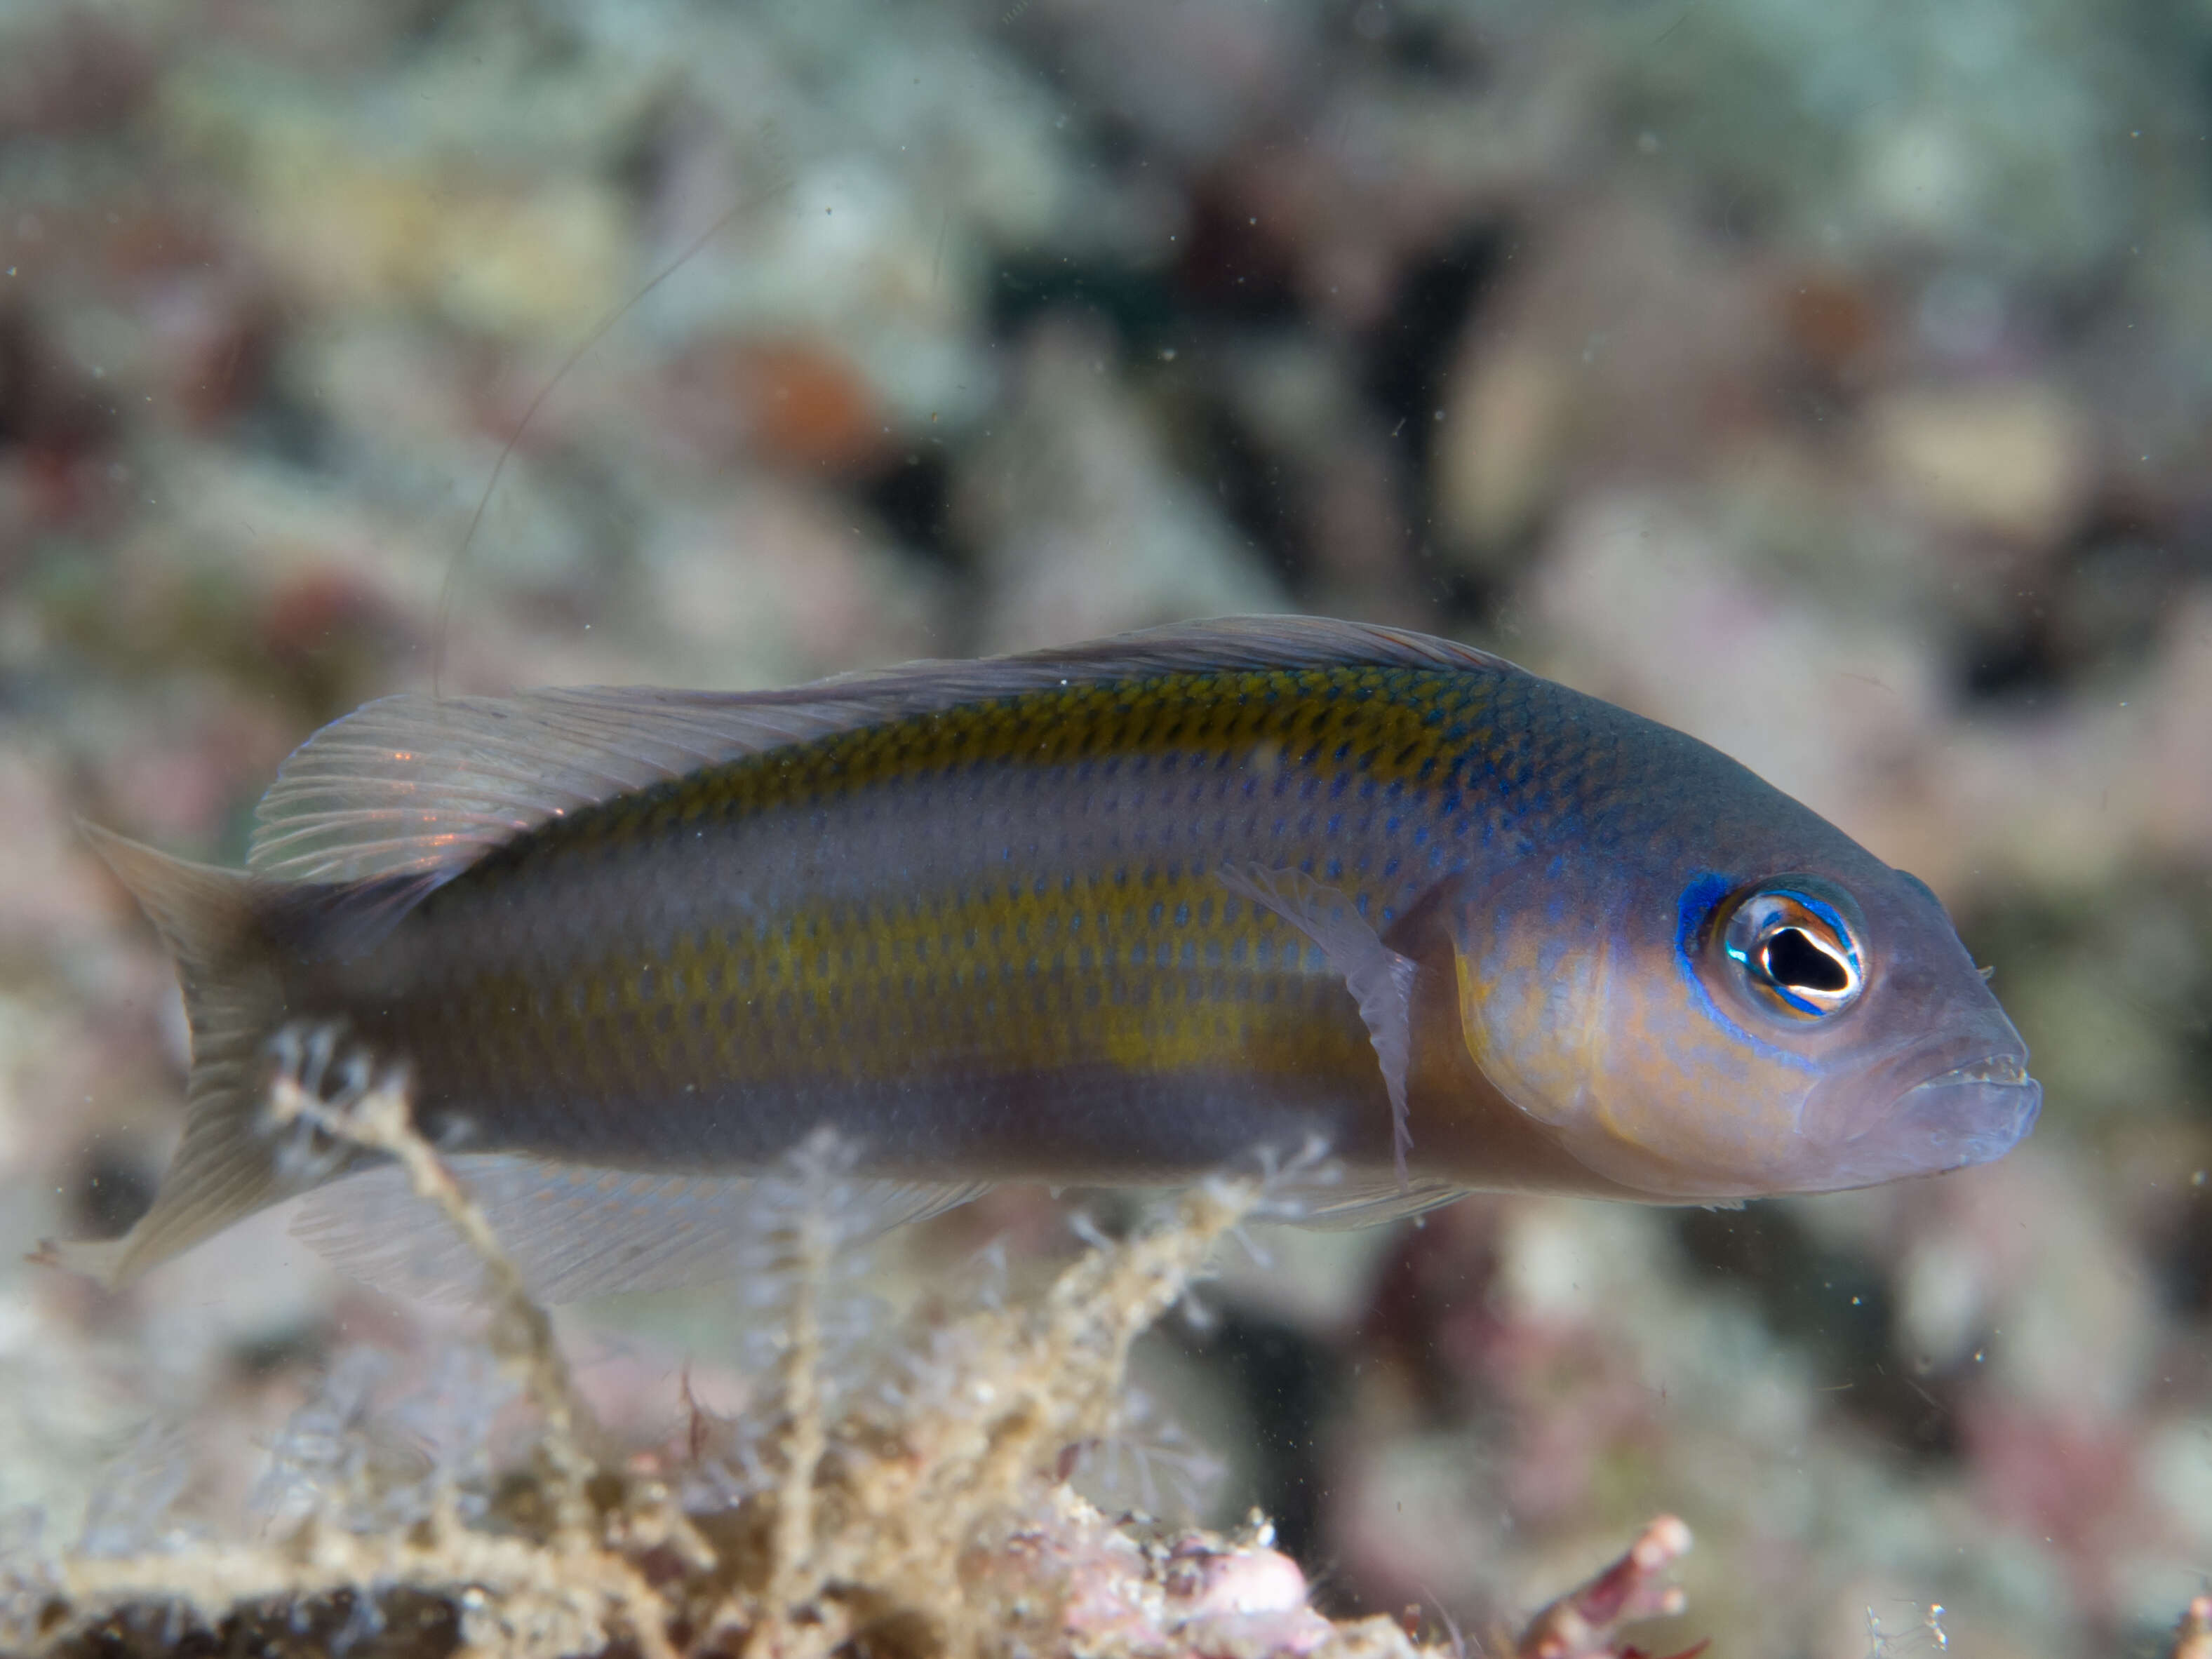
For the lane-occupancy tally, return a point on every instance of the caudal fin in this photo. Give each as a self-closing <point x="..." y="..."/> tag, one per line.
<point x="224" y="1168"/>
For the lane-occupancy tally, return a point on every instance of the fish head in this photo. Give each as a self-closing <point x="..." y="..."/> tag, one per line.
<point x="1711" y="1036"/>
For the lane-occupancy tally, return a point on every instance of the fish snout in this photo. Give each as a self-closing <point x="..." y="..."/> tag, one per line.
<point x="1969" y="1115"/>
<point x="1918" y="1114"/>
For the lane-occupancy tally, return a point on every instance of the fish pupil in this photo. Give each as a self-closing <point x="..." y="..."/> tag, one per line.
<point x="1792" y="958"/>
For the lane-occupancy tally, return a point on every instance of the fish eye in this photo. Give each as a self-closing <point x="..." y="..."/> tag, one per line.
<point x="1794" y="951"/>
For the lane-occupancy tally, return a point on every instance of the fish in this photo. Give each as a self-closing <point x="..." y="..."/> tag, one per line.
<point x="1119" y="913"/>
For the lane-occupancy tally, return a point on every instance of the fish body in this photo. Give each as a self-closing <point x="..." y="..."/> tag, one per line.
<point x="1119" y="913"/>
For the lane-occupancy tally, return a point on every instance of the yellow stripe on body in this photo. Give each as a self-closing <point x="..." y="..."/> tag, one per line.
<point x="1018" y="976"/>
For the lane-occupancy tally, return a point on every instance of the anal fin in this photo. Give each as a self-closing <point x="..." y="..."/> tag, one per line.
<point x="574" y="1230"/>
<point x="1381" y="980"/>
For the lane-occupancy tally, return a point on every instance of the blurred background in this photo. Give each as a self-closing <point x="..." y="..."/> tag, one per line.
<point x="1833" y="382"/>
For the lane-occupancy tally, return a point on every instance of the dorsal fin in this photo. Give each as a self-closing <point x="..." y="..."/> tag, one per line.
<point x="416" y="786"/>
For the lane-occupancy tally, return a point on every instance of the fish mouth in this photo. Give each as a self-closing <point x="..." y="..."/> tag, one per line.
<point x="2009" y="1071"/>
<point x="1969" y="1115"/>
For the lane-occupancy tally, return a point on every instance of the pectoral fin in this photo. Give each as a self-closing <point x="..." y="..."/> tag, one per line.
<point x="1380" y="981"/>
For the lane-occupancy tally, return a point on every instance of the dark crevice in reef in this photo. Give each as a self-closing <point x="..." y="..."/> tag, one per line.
<point x="1288" y="1384"/>
<point x="1410" y="353"/>
<point x="1835" y="1307"/>
<point x="402" y="1623"/>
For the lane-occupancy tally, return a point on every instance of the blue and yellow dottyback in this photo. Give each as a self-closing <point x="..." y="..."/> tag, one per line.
<point x="1121" y="913"/>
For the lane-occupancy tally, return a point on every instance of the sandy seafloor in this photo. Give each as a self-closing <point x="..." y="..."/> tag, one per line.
<point x="1833" y="383"/>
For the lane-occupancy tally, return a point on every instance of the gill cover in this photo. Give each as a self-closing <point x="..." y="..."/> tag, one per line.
<point x="1633" y="1049"/>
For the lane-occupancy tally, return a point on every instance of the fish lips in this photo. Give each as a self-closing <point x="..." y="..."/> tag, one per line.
<point x="1968" y="1114"/>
